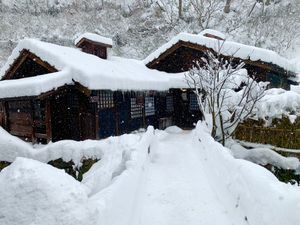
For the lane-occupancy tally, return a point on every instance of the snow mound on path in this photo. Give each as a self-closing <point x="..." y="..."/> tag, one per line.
<point x="173" y="130"/>
<point x="36" y="193"/>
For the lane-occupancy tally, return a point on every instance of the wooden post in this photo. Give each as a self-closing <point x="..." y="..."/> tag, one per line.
<point x="97" y="120"/>
<point x="48" y="120"/>
<point x="6" y="125"/>
<point x="33" y="136"/>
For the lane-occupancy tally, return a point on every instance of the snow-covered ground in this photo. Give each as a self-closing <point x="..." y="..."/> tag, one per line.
<point x="187" y="178"/>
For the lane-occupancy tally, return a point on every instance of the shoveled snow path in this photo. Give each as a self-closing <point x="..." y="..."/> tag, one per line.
<point x="175" y="189"/>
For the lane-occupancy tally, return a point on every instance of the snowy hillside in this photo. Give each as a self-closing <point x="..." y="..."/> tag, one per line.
<point x="187" y="178"/>
<point x="139" y="27"/>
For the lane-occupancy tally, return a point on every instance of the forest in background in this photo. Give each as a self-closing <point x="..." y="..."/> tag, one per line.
<point x="139" y="27"/>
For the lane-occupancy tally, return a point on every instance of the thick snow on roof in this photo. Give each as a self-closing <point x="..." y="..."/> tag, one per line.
<point x="90" y="71"/>
<point x="95" y="38"/>
<point x="34" y="86"/>
<point x="228" y="48"/>
<point x="213" y="32"/>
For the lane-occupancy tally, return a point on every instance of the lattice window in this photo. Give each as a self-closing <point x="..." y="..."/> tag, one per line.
<point x="106" y="99"/>
<point x="169" y="104"/>
<point x="19" y="106"/>
<point x="73" y="101"/>
<point x="149" y="106"/>
<point x="193" y="102"/>
<point x="39" y="110"/>
<point x="136" y="109"/>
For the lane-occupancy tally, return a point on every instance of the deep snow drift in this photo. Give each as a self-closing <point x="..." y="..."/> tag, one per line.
<point x="187" y="178"/>
<point x="35" y="193"/>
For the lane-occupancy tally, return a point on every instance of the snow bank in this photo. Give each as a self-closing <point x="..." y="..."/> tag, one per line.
<point x="117" y="203"/>
<point x="263" y="156"/>
<point x="95" y="38"/>
<point x="36" y="193"/>
<point x="12" y="147"/>
<point x="109" y="189"/>
<point x="250" y="193"/>
<point x="229" y="48"/>
<point x="92" y="72"/>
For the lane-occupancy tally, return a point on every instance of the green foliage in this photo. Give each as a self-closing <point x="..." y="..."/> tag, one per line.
<point x="71" y="169"/>
<point x="3" y="165"/>
<point x="286" y="176"/>
<point x="68" y="167"/>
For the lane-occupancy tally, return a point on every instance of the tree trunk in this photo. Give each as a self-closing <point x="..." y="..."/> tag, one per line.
<point x="180" y="9"/>
<point x="222" y="130"/>
<point x="227" y="6"/>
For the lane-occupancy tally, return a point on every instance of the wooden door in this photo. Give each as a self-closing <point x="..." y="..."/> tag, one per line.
<point x="87" y="125"/>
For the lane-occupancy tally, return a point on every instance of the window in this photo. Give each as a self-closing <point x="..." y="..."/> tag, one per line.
<point x="136" y="109"/>
<point x="39" y="110"/>
<point x="149" y="106"/>
<point x="73" y="101"/>
<point x="193" y="102"/>
<point x="169" y="104"/>
<point x="106" y="99"/>
<point x="19" y="106"/>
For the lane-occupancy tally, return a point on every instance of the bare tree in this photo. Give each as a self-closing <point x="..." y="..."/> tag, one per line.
<point x="206" y="10"/>
<point x="226" y="94"/>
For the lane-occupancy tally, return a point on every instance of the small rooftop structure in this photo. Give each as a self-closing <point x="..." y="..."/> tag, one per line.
<point x="94" y="44"/>
<point x="213" y="34"/>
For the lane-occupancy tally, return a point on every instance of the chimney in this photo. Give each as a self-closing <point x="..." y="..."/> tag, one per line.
<point x="94" y="44"/>
<point x="213" y="34"/>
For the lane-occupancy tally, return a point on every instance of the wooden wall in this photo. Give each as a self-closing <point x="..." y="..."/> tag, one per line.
<point x="71" y="114"/>
<point x="181" y="60"/>
<point x="20" y="119"/>
<point x="94" y="49"/>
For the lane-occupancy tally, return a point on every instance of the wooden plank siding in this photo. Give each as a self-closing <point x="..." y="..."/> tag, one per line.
<point x="19" y="119"/>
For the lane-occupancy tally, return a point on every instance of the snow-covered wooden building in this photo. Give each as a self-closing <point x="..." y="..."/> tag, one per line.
<point x="182" y="52"/>
<point x="50" y="92"/>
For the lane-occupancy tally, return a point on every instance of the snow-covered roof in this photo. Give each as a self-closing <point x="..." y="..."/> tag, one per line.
<point x="95" y="73"/>
<point x="94" y="37"/>
<point x="228" y="48"/>
<point x="213" y="32"/>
